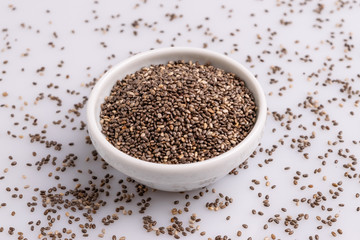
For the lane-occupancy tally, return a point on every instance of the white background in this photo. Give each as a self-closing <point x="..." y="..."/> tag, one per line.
<point x="320" y="36"/>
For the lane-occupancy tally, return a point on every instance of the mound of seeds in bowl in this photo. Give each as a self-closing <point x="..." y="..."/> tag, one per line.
<point x="179" y="112"/>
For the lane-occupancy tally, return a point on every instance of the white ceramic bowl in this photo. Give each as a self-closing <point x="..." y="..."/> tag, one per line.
<point x="180" y="177"/>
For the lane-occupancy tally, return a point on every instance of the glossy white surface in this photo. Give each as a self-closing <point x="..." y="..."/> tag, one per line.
<point x="254" y="29"/>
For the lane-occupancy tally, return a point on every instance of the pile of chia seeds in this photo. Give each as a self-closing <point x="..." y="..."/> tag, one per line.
<point x="179" y="112"/>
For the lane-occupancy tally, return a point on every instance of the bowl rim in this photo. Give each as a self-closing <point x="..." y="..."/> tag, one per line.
<point x="95" y="132"/>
